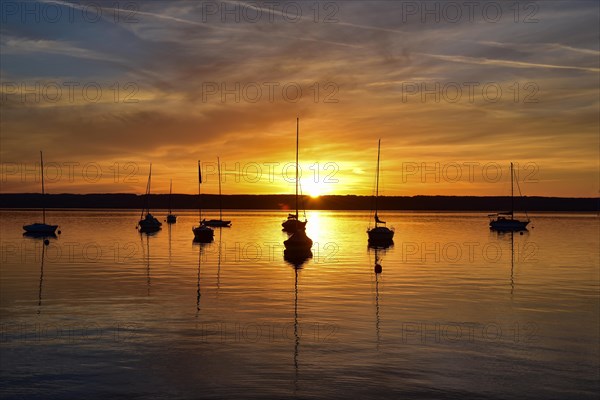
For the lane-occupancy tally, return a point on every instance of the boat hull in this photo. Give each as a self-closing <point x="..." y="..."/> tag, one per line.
<point x="149" y="224"/>
<point x="293" y="225"/>
<point x="40" y="229"/>
<point x="298" y="242"/>
<point x="381" y="235"/>
<point x="203" y="234"/>
<point x="217" y="223"/>
<point x="507" y="225"/>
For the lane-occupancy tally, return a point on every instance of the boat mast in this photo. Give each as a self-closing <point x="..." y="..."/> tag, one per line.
<point x="220" y="203"/>
<point x="297" y="141"/>
<point x="377" y="181"/>
<point x="43" y="191"/>
<point x="148" y="191"/>
<point x="199" y="195"/>
<point x="512" y="201"/>
<point x="170" y="194"/>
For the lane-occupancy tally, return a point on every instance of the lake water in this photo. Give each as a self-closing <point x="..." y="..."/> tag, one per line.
<point x="458" y="311"/>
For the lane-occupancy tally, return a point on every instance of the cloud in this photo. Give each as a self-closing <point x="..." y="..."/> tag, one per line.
<point x="505" y="63"/>
<point x="174" y="54"/>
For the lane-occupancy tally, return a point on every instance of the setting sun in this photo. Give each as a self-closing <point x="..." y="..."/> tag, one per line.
<point x="311" y="188"/>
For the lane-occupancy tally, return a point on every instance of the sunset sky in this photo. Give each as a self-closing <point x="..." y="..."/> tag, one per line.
<point x="105" y="88"/>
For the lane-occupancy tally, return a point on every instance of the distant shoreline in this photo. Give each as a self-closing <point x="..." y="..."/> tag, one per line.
<point x="287" y="202"/>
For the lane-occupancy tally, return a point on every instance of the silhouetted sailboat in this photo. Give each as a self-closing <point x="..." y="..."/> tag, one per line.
<point x="292" y="224"/>
<point x="148" y="223"/>
<point x="171" y="218"/>
<point x="202" y="233"/>
<point x="41" y="228"/>
<point x="506" y="221"/>
<point x="298" y="242"/>
<point x="218" y="222"/>
<point x="380" y="234"/>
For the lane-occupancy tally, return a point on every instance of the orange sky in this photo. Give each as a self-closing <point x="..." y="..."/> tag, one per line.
<point x="454" y="103"/>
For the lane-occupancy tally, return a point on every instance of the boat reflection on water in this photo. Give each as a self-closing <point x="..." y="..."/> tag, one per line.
<point x="146" y="252"/>
<point x="219" y="261"/>
<point x="36" y="235"/>
<point x="380" y="248"/>
<point x="45" y="241"/>
<point x="510" y="235"/>
<point x="378" y="269"/>
<point x="296" y="258"/>
<point x="169" y="227"/>
<point x="201" y="245"/>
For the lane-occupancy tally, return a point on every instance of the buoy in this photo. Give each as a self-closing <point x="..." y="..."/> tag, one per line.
<point x="59" y="232"/>
<point x="46" y="242"/>
<point x="521" y="233"/>
<point x="378" y="269"/>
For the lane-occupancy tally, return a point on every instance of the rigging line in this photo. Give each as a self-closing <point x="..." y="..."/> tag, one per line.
<point x="302" y="199"/>
<point x="521" y="195"/>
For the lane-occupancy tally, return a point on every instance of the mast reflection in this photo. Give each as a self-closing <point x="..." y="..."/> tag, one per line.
<point x="297" y="259"/>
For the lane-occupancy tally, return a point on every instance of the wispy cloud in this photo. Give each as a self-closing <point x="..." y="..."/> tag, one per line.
<point x="16" y="45"/>
<point x="505" y="63"/>
<point x="172" y="52"/>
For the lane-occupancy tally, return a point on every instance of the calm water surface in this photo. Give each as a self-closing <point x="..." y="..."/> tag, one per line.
<point x="458" y="311"/>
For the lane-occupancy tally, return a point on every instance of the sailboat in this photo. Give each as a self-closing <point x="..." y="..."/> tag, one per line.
<point x="41" y="228"/>
<point x="292" y="224"/>
<point x="171" y="218"/>
<point x="506" y="221"/>
<point x="148" y="223"/>
<point x="218" y="222"/>
<point x="202" y="233"/>
<point x="380" y="234"/>
<point x="298" y="242"/>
